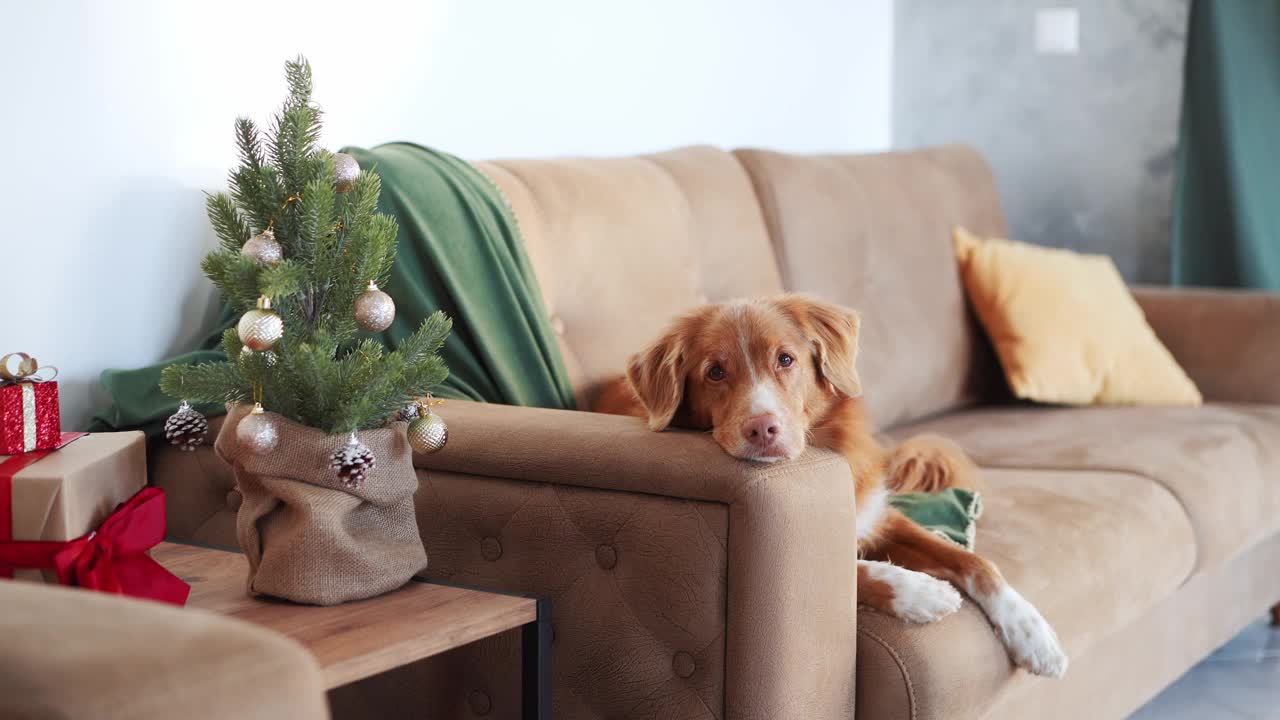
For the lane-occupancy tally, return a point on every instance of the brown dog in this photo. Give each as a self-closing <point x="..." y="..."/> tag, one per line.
<point x="770" y="377"/>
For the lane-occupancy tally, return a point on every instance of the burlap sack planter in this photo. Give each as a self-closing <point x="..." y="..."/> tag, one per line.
<point x="308" y="538"/>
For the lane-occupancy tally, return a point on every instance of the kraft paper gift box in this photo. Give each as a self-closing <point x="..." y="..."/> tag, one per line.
<point x="68" y="493"/>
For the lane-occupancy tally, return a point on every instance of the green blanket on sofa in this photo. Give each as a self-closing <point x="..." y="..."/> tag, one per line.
<point x="459" y="250"/>
<point x="952" y="513"/>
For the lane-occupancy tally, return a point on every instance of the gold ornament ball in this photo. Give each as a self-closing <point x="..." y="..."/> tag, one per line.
<point x="375" y="309"/>
<point x="428" y="433"/>
<point x="258" y="432"/>
<point x="260" y="328"/>
<point x="345" y="171"/>
<point x="263" y="248"/>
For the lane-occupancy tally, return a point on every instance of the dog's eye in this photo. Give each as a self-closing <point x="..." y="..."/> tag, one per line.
<point x="785" y="360"/>
<point x="715" y="373"/>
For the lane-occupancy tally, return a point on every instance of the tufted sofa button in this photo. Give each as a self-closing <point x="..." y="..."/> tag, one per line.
<point x="479" y="702"/>
<point x="606" y="556"/>
<point x="683" y="664"/>
<point x="490" y="549"/>
<point x="234" y="499"/>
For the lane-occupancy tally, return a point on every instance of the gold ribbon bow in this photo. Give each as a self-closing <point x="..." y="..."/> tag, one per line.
<point x="28" y="370"/>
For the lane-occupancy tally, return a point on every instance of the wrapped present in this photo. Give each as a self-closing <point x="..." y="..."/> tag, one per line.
<point x="29" y="418"/>
<point x="80" y="515"/>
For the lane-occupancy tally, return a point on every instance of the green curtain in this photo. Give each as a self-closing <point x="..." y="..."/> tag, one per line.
<point x="459" y="250"/>
<point x="1226" y="214"/>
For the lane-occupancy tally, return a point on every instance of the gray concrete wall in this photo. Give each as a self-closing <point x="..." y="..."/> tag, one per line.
<point x="1082" y="145"/>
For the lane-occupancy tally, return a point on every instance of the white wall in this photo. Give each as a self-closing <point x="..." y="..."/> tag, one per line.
<point x="117" y="117"/>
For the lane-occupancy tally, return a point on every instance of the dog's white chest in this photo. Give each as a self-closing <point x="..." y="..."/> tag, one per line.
<point x="870" y="512"/>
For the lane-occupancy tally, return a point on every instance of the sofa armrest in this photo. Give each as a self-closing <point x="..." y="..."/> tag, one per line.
<point x="789" y="602"/>
<point x="74" y="653"/>
<point x="1226" y="340"/>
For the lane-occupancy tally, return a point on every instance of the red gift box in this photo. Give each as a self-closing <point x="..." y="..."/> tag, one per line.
<point x="29" y="414"/>
<point x="29" y="417"/>
<point x="76" y="516"/>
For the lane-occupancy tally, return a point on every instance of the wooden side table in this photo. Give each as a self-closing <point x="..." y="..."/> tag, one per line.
<point x="363" y="638"/>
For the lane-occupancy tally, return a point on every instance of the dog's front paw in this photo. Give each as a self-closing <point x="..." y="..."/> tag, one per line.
<point x="919" y="598"/>
<point x="1031" y="641"/>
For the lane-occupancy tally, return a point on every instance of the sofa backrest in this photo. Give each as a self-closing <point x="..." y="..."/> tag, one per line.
<point x="622" y="245"/>
<point x="873" y="232"/>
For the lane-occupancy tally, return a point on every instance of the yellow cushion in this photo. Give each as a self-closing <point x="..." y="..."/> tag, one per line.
<point x="1066" y="328"/>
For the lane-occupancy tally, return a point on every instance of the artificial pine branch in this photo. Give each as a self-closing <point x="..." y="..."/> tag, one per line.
<point x="217" y="382"/>
<point x="228" y="224"/>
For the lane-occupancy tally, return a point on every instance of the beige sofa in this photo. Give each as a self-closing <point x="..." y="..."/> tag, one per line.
<point x="686" y="584"/>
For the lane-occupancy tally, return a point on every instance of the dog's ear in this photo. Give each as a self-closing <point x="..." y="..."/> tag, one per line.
<point x="657" y="376"/>
<point x="833" y="338"/>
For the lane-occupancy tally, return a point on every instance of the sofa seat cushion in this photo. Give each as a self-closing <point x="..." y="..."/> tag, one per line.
<point x="1093" y="550"/>
<point x="1221" y="462"/>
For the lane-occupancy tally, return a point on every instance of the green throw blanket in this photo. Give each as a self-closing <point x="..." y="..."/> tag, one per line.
<point x="952" y="513"/>
<point x="460" y="251"/>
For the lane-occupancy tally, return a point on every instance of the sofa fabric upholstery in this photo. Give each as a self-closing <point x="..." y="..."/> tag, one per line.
<point x="788" y="549"/>
<point x="1094" y="551"/>
<point x="622" y="245"/>
<point x="608" y="575"/>
<point x="1226" y="340"/>
<point x="1221" y="462"/>
<point x="873" y="233"/>
<point x="71" y="653"/>
<point x="688" y="584"/>
<point x="1119" y="673"/>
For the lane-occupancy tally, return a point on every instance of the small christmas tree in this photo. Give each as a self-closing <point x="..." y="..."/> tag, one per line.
<point x="306" y="281"/>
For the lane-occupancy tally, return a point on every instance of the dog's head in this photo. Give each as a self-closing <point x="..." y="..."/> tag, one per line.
<point x="756" y="373"/>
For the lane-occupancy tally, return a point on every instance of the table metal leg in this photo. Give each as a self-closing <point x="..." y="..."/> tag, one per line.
<point x="535" y="665"/>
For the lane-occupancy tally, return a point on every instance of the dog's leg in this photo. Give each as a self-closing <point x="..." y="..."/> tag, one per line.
<point x="906" y="594"/>
<point x="1275" y="615"/>
<point x="1031" y="642"/>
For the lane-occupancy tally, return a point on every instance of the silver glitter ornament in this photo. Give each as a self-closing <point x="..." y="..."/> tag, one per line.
<point x="353" y="462"/>
<point x="263" y="248"/>
<point x="261" y="328"/>
<point x="428" y="433"/>
<point x="186" y="428"/>
<point x="345" y="171"/>
<point x="374" y="309"/>
<point x="257" y="431"/>
<point x="408" y="414"/>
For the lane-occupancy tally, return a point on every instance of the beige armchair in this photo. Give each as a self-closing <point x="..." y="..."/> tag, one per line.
<point x="69" y="653"/>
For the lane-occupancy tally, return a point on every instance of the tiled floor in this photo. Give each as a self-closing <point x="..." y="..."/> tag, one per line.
<point x="1240" y="680"/>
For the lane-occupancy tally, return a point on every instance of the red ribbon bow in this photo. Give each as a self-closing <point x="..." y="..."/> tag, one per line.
<point x="112" y="558"/>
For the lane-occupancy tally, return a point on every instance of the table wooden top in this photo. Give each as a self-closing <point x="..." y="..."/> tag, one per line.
<point x="358" y="639"/>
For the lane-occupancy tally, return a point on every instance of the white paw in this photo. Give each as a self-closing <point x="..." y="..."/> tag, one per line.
<point x="1031" y="641"/>
<point x="917" y="598"/>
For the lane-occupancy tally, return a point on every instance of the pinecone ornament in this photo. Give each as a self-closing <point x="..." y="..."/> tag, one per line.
<point x="186" y="428"/>
<point x="353" y="462"/>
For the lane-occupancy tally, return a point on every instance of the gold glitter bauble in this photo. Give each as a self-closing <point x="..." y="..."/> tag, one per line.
<point x="345" y="171"/>
<point x="261" y="328"/>
<point x="375" y="309"/>
<point x="428" y="433"/>
<point x="263" y="248"/>
<point x="257" y="431"/>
